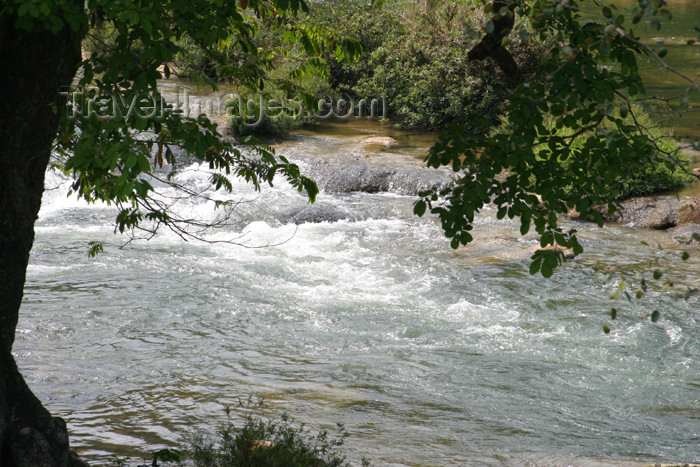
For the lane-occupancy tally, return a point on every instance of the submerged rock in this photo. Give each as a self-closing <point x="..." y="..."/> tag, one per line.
<point x="385" y="141"/>
<point x="315" y="214"/>
<point x="658" y="213"/>
<point x="684" y="234"/>
<point x="337" y="176"/>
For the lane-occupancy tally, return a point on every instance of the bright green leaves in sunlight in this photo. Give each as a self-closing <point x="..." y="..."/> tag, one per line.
<point x="95" y="248"/>
<point x="570" y="134"/>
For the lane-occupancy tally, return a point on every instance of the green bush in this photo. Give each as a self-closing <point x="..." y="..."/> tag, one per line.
<point x="101" y="39"/>
<point x="271" y="443"/>
<point x="285" y="108"/>
<point x="655" y="173"/>
<point x="414" y="55"/>
<point x="228" y="62"/>
<point x="245" y="117"/>
<point x="371" y="25"/>
<point x="417" y="58"/>
<point x="659" y="173"/>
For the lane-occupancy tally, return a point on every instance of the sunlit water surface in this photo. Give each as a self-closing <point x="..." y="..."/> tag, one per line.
<point x="429" y="356"/>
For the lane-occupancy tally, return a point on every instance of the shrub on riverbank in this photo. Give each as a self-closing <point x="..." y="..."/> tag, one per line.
<point x="283" y="109"/>
<point x="658" y="173"/>
<point x="258" y="442"/>
<point x="416" y="56"/>
<point x="663" y="169"/>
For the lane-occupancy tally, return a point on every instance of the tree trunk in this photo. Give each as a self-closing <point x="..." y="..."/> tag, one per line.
<point x="491" y="44"/>
<point x="33" y="68"/>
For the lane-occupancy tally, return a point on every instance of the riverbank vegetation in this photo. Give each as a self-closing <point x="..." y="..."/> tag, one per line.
<point x="414" y="55"/>
<point x="649" y="176"/>
<point x="272" y="442"/>
<point x="254" y="440"/>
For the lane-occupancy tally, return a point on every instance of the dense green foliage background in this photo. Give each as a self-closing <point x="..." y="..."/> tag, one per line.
<point x="414" y="55"/>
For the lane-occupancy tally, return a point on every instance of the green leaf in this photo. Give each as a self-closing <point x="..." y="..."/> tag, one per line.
<point x="166" y="455"/>
<point x="524" y="226"/>
<point x="606" y="328"/>
<point x="23" y="9"/>
<point x="95" y="249"/>
<point x="665" y="14"/>
<point x="655" y="315"/>
<point x="133" y="17"/>
<point x="144" y="165"/>
<point x="658" y="274"/>
<point x="546" y="270"/>
<point x="130" y="161"/>
<point x="419" y="208"/>
<point x="613" y="313"/>
<point x="685" y="255"/>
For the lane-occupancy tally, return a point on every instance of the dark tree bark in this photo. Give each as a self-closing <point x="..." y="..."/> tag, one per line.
<point x="491" y="44"/>
<point x="33" y="68"/>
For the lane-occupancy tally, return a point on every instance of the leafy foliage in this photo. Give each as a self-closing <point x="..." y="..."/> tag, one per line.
<point x="117" y="129"/>
<point x="634" y="283"/>
<point x="644" y="179"/>
<point x="258" y="442"/>
<point x="416" y="58"/>
<point x="585" y="84"/>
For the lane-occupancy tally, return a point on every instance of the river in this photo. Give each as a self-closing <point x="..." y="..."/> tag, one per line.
<point x="429" y="356"/>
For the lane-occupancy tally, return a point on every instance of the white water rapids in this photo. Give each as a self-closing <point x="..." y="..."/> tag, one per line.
<point x="429" y="356"/>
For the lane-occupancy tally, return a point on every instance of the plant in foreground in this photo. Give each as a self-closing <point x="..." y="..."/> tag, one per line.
<point x="260" y="442"/>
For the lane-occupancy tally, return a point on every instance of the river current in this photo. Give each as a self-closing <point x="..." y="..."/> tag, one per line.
<point x="429" y="356"/>
<point x="366" y="317"/>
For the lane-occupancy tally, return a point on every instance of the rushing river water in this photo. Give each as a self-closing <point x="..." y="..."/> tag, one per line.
<point x="429" y="356"/>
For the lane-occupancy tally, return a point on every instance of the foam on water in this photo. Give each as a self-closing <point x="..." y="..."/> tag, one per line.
<point x="429" y="356"/>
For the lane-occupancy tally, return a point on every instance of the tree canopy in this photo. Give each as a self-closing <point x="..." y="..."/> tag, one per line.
<point x="572" y="128"/>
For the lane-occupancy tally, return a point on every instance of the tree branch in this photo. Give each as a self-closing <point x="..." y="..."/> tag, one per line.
<point x="491" y="45"/>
